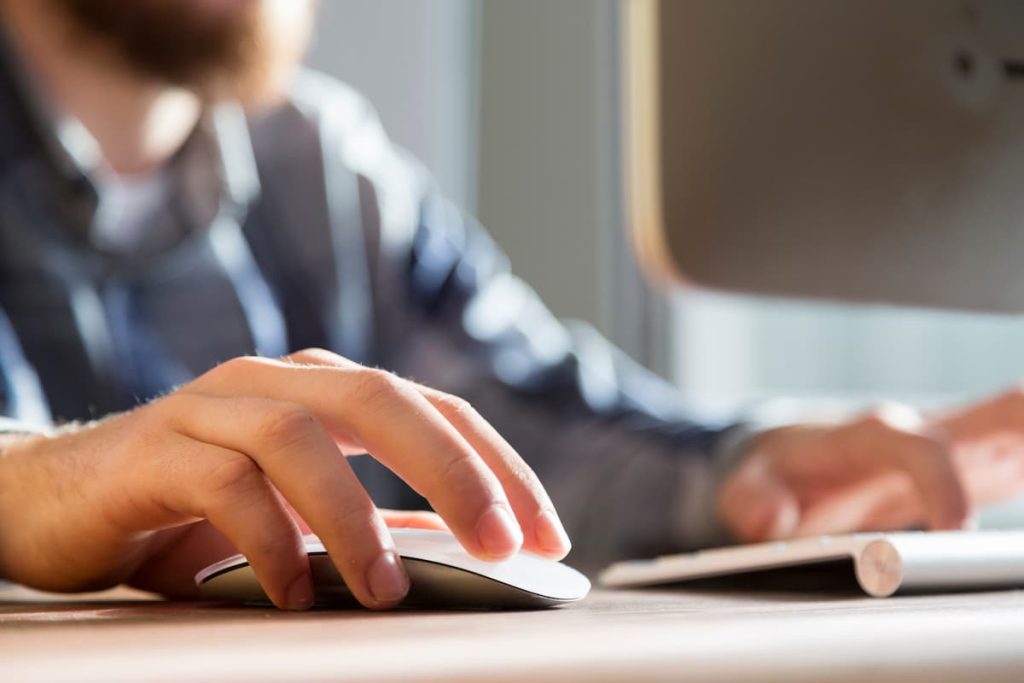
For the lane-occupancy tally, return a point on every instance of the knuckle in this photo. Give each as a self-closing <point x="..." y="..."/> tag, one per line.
<point x="236" y="368"/>
<point x="287" y="424"/>
<point x="455" y="405"/>
<point x="904" y="438"/>
<point x="376" y="386"/>
<point x="873" y="423"/>
<point x="239" y="364"/>
<point x="315" y="356"/>
<point x="234" y="476"/>
<point x="353" y="517"/>
<point x="271" y="543"/>
<point x="314" y="352"/>
<point x="891" y="418"/>
<point x="456" y="475"/>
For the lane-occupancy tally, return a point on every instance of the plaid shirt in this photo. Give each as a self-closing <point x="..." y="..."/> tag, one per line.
<point x="304" y="226"/>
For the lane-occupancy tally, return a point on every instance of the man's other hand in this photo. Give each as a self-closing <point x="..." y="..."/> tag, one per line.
<point x="247" y="457"/>
<point x="892" y="469"/>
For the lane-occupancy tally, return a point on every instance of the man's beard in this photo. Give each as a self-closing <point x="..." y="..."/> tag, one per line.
<point x="238" y="53"/>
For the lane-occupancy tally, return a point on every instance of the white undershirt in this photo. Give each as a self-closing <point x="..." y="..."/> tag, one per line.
<point x="127" y="205"/>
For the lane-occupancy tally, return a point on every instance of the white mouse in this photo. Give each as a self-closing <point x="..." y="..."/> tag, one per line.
<point x="441" y="573"/>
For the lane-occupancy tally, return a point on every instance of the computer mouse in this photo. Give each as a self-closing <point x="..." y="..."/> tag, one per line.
<point x="441" y="573"/>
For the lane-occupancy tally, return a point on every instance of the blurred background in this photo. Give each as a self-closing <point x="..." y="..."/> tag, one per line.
<point x="514" y="106"/>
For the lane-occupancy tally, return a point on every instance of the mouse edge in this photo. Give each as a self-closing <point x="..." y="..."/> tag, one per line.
<point x="239" y="562"/>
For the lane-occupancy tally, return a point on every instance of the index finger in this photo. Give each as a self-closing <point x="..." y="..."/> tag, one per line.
<point x="544" y="533"/>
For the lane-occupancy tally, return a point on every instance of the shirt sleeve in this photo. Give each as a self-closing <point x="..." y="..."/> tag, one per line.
<point x="632" y="474"/>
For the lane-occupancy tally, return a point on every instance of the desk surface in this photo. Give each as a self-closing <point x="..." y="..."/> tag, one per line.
<point x="612" y="636"/>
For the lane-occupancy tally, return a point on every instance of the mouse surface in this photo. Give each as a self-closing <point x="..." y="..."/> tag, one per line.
<point x="441" y="573"/>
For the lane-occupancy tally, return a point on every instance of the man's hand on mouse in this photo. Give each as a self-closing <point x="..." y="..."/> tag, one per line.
<point x="243" y="457"/>
<point x="893" y="469"/>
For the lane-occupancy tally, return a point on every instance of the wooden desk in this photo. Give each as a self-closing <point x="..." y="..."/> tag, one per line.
<point x="612" y="636"/>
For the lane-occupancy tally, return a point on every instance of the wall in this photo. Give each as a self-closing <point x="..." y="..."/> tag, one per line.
<point x="416" y="61"/>
<point x="548" y="157"/>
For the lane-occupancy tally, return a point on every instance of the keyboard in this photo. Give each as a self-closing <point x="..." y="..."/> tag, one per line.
<point x="884" y="563"/>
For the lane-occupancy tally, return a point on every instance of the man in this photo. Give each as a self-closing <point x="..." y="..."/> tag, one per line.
<point x="180" y="206"/>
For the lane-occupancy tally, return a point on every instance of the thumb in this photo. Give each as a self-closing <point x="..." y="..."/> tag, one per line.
<point x="756" y="505"/>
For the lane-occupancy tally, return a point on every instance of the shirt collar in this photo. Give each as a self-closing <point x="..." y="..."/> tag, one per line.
<point x="214" y="171"/>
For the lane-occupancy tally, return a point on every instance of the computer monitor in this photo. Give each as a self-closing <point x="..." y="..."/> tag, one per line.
<point x="866" y="150"/>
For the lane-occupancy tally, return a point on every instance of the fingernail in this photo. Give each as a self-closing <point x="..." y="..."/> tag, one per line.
<point x="299" y="595"/>
<point x="498" y="532"/>
<point x="387" y="579"/>
<point x="550" y="533"/>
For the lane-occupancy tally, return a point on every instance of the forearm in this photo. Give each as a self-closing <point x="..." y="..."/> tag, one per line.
<point x="11" y="506"/>
<point x="39" y="485"/>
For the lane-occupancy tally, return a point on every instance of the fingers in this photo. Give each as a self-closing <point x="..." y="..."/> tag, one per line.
<point x="284" y="443"/>
<point x="891" y="440"/>
<point x="989" y="437"/>
<point x="884" y="503"/>
<point x="233" y="494"/>
<point x="543" y="531"/>
<point x="883" y="471"/>
<point x="394" y="422"/>
<point x="756" y="505"/>
<point x="439" y="445"/>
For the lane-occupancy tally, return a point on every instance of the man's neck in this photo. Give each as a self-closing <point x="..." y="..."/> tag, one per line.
<point x="138" y="123"/>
